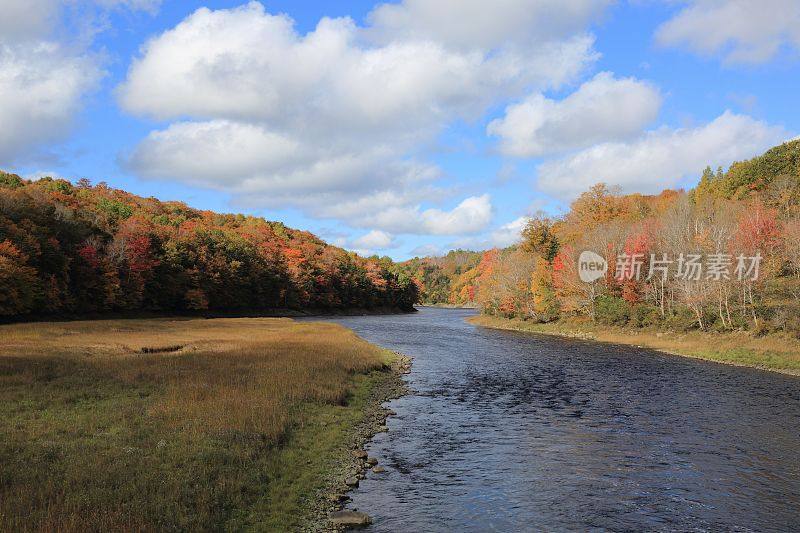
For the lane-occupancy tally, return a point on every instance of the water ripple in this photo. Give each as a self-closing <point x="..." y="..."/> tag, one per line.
<point x="513" y="432"/>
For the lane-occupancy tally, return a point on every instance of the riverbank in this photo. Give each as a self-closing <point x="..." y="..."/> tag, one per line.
<point x="350" y="462"/>
<point x="280" y="312"/>
<point x="773" y="353"/>
<point x="187" y="424"/>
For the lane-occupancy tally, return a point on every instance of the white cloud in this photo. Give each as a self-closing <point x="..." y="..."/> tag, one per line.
<point x="41" y="86"/>
<point x="26" y="19"/>
<point x="660" y="159"/>
<point x="374" y="240"/>
<point x="269" y="114"/>
<point x="602" y="109"/>
<point x="369" y="244"/>
<point x="149" y="6"/>
<point x="29" y="20"/>
<point x="43" y="79"/>
<point x="398" y="215"/>
<point x="246" y="64"/>
<point x="36" y="176"/>
<point x="508" y="234"/>
<point x="426" y="250"/>
<point x="470" y="216"/>
<point x="743" y="31"/>
<point x="468" y="24"/>
<point x="210" y="152"/>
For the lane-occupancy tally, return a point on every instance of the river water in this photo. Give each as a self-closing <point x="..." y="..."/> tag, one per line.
<point x="507" y="431"/>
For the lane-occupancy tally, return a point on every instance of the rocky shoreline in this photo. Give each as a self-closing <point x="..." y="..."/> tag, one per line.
<point x="326" y="513"/>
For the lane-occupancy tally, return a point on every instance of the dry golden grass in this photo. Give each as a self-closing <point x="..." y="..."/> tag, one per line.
<point x="95" y="434"/>
<point x="775" y="353"/>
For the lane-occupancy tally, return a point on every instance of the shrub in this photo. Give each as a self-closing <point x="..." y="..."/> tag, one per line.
<point x="645" y="315"/>
<point x="12" y="181"/>
<point x="612" y="311"/>
<point x="682" y="319"/>
<point x="761" y="328"/>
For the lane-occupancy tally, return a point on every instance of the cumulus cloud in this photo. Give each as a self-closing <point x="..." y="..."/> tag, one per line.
<point x="29" y="20"/>
<point x="36" y="176"/>
<point x="40" y="92"/>
<point x="26" y="19"/>
<point x="42" y="79"/>
<point x="472" y="215"/>
<point x="503" y="236"/>
<point x="661" y="158"/>
<point x="742" y="31"/>
<point x="602" y="109"/>
<point x="426" y="250"/>
<point x="508" y="234"/>
<point x="213" y="151"/>
<point x="270" y="114"/>
<point x="150" y="6"/>
<point x="374" y="240"/>
<point x="474" y="24"/>
<point x="245" y="63"/>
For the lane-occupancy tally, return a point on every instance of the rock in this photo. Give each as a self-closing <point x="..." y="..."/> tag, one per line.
<point x="351" y="482"/>
<point x="372" y="461"/>
<point x="383" y="429"/>
<point x="391" y="413"/>
<point x="359" y="454"/>
<point x="350" y="518"/>
<point x="337" y="498"/>
<point x="378" y="469"/>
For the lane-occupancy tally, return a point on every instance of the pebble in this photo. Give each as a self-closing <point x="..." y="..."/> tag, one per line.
<point x="359" y="454"/>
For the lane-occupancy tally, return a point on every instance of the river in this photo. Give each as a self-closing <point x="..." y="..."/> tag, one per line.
<point x="507" y="431"/>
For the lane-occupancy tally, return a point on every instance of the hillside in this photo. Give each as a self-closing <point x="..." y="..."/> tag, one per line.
<point x="440" y="279"/>
<point x="740" y="228"/>
<point x="77" y="249"/>
<point x="753" y="207"/>
<point x="772" y="173"/>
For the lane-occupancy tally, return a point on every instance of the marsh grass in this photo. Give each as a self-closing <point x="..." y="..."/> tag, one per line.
<point x="173" y="424"/>
<point x="775" y="353"/>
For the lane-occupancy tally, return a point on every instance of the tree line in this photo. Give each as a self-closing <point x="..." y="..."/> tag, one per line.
<point x="723" y="256"/>
<point x="77" y="249"/>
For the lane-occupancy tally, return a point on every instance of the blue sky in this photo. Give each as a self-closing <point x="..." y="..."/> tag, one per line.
<point x="397" y="129"/>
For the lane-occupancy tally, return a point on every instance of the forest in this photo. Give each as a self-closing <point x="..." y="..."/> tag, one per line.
<point x="443" y="280"/>
<point x="81" y="249"/>
<point x="720" y="227"/>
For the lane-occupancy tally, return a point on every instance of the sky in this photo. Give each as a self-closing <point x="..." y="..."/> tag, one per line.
<point x="400" y="129"/>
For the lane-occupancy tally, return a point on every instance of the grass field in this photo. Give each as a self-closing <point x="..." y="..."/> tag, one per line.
<point x="779" y="354"/>
<point x="174" y="424"/>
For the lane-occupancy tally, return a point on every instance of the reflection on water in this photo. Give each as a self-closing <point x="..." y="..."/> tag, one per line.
<point x="509" y="431"/>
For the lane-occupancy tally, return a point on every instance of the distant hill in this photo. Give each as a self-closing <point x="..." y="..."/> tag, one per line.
<point x="777" y="168"/>
<point x="438" y="277"/>
<point x="76" y="249"/>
